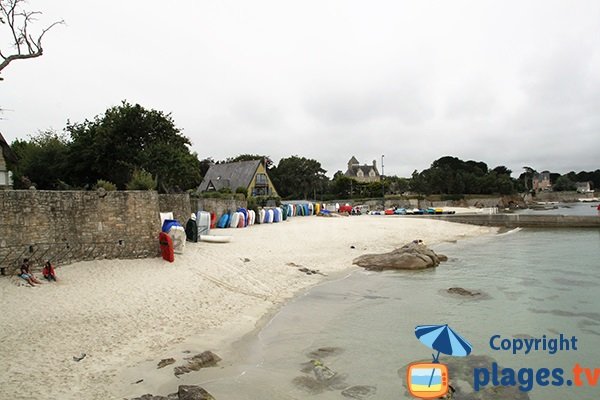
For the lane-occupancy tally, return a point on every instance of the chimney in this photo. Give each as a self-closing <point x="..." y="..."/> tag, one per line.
<point x="374" y="164"/>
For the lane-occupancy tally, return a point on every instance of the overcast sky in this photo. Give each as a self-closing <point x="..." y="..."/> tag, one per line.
<point x="514" y="83"/>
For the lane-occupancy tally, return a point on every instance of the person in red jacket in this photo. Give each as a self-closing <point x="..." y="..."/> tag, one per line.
<point x="48" y="272"/>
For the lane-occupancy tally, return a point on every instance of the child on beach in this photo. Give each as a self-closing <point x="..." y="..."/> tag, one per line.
<point x="48" y="272"/>
<point x="25" y="274"/>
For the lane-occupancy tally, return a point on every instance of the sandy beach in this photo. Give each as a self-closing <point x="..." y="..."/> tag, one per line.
<point x="127" y="315"/>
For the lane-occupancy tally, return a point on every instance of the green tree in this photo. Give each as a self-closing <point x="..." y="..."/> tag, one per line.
<point x="452" y="176"/>
<point x="527" y="178"/>
<point x="298" y="177"/>
<point x="341" y="186"/>
<point x="130" y="137"/>
<point x="397" y="185"/>
<point x="141" y="180"/>
<point x="251" y="157"/>
<point x="42" y="161"/>
<point x="563" y="183"/>
<point x="205" y="165"/>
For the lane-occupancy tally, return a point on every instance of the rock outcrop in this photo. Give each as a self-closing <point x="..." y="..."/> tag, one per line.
<point x="412" y="256"/>
<point x="203" y="360"/>
<point x="185" y="392"/>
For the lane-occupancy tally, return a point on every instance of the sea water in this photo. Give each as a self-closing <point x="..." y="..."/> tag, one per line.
<point x="532" y="283"/>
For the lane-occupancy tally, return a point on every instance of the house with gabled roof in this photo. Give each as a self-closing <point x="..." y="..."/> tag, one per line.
<point x="6" y="154"/>
<point x="362" y="173"/>
<point x="541" y="181"/>
<point x="584" y="187"/>
<point x="251" y="175"/>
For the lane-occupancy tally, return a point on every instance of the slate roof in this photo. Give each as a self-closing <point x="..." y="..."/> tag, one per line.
<point x="230" y="175"/>
<point x="7" y="151"/>
<point x="353" y="170"/>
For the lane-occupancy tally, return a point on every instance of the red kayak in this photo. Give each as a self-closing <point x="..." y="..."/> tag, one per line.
<point x="166" y="247"/>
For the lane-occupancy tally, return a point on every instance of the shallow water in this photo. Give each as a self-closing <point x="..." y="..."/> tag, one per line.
<point x="536" y="282"/>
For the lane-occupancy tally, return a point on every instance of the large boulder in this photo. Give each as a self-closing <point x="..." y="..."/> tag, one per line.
<point x="412" y="256"/>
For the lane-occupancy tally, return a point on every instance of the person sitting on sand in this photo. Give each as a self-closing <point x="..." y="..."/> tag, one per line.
<point x="25" y="274"/>
<point x="48" y="272"/>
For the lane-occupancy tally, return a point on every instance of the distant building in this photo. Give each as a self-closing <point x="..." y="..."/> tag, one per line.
<point x="251" y="175"/>
<point x="541" y="181"/>
<point x="584" y="187"/>
<point x="6" y="154"/>
<point x="362" y="173"/>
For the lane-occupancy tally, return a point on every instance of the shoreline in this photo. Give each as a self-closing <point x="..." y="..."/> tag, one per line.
<point x="127" y="315"/>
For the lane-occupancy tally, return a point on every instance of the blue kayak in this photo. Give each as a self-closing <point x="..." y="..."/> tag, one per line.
<point x="223" y="221"/>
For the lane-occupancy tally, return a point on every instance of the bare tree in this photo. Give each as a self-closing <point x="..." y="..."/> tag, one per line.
<point x="24" y="45"/>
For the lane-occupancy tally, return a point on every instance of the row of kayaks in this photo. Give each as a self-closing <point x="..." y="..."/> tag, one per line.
<point x="243" y="217"/>
<point x="413" y="211"/>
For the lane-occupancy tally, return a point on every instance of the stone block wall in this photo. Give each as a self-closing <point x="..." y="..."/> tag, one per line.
<point x="69" y="226"/>
<point x="218" y="206"/>
<point x="179" y="204"/>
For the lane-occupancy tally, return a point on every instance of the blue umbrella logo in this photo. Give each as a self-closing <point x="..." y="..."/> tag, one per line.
<point x="443" y="339"/>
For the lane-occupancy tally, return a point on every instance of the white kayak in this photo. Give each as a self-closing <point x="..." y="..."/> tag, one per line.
<point x="215" y="238"/>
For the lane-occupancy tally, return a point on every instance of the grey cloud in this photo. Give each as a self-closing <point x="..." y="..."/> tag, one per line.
<point x="406" y="104"/>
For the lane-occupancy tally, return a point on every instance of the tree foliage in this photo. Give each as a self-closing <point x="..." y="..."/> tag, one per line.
<point x="130" y="137"/>
<point x="298" y="177"/>
<point x="42" y="161"/>
<point x="586" y="176"/>
<point x="251" y="157"/>
<point x="563" y="183"/>
<point x="453" y="176"/>
<point x="111" y="147"/>
<point x="141" y="180"/>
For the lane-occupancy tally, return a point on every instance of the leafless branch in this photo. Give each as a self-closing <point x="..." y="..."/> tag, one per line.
<point x="18" y="20"/>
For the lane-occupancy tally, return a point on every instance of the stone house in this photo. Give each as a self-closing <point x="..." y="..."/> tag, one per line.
<point x="541" y="181"/>
<point x="6" y="154"/>
<point x="584" y="187"/>
<point x="362" y="173"/>
<point x="251" y="175"/>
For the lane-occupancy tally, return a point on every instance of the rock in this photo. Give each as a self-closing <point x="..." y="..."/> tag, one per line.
<point x="164" y="362"/>
<point x="412" y="256"/>
<point x="359" y="392"/>
<point x="322" y="372"/>
<point x="205" y="359"/>
<point x="325" y="352"/>
<point x="150" y="397"/>
<point x="462" y="292"/>
<point x="195" y="363"/>
<point x="180" y="370"/>
<point x="190" y="392"/>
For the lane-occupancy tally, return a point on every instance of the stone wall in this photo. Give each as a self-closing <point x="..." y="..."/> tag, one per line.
<point x="69" y="226"/>
<point x="521" y="220"/>
<point x="179" y="204"/>
<point x="563" y="197"/>
<point x="218" y="206"/>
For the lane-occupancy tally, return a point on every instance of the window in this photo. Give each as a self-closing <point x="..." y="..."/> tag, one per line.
<point x="261" y="179"/>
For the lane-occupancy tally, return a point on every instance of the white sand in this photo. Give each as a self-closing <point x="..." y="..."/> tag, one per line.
<point x="126" y="315"/>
